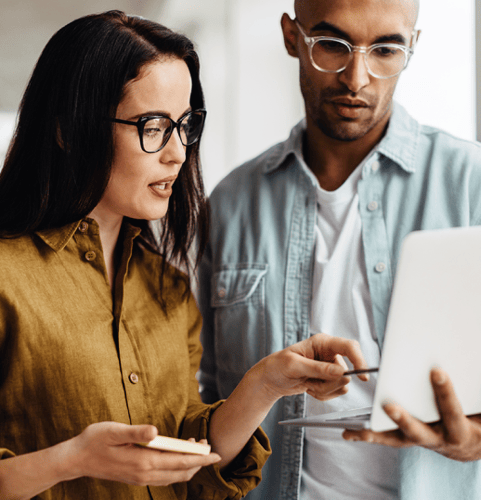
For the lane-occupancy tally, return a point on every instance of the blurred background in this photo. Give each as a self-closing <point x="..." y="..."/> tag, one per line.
<point x="250" y="83"/>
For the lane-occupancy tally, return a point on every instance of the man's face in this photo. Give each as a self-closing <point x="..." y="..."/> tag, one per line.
<point x="349" y="105"/>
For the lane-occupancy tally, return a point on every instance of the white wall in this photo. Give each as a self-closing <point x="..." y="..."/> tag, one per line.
<point x="251" y="84"/>
<point x="439" y="86"/>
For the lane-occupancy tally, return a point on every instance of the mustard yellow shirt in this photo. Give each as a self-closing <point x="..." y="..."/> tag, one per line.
<point x="72" y="353"/>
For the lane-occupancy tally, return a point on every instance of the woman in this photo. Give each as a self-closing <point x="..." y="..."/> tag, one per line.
<point x="98" y="332"/>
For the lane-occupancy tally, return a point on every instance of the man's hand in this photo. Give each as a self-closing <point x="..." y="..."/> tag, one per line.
<point x="455" y="436"/>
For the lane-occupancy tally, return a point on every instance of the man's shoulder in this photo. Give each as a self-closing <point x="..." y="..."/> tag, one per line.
<point x="447" y="141"/>
<point x="251" y="169"/>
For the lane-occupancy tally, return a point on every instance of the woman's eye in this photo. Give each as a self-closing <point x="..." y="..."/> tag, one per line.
<point x="151" y="132"/>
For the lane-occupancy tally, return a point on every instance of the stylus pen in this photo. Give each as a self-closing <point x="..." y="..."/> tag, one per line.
<point x="358" y="372"/>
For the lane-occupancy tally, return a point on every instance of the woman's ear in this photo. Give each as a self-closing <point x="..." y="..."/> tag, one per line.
<point x="290" y="32"/>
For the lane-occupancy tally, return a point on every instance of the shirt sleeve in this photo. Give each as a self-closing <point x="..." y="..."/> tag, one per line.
<point x="240" y="477"/>
<point x="244" y="473"/>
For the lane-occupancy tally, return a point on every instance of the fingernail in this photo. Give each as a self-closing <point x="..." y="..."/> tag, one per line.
<point x="395" y="415"/>
<point x="439" y="378"/>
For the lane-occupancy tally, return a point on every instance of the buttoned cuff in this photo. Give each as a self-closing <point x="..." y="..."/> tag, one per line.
<point x="240" y="477"/>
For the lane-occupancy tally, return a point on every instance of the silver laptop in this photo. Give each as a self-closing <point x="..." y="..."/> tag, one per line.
<point x="434" y="320"/>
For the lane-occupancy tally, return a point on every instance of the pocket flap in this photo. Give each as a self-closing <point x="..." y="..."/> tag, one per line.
<point x="234" y="284"/>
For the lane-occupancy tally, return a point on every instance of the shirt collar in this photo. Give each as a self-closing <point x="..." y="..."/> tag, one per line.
<point x="58" y="238"/>
<point x="399" y="144"/>
<point x="293" y="145"/>
<point x="401" y="140"/>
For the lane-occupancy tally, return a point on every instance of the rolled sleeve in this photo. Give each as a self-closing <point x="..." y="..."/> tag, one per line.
<point x="240" y="477"/>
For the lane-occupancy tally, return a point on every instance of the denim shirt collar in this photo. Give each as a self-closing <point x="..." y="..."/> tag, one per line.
<point x="399" y="144"/>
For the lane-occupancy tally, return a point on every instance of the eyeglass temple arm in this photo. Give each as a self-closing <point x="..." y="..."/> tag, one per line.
<point x="414" y="38"/>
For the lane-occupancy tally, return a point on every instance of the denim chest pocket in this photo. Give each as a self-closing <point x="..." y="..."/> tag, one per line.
<point x="238" y="300"/>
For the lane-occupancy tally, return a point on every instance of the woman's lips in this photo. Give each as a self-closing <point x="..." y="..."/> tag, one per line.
<point x="162" y="188"/>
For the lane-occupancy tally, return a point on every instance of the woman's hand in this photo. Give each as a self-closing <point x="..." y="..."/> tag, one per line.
<point x="315" y="366"/>
<point x="107" y="450"/>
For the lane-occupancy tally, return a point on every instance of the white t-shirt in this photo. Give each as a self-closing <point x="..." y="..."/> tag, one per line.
<point x="335" y="469"/>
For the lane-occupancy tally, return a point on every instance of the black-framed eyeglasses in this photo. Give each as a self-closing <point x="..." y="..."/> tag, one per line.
<point x="155" y="131"/>
<point x="383" y="60"/>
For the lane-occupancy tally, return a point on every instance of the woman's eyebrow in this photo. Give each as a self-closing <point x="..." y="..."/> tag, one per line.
<point x="157" y="112"/>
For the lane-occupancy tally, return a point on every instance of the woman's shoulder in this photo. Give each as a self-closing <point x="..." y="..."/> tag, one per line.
<point x="17" y="248"/>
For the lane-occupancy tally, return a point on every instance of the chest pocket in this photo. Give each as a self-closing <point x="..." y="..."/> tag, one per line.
<point x="238" y="299"/>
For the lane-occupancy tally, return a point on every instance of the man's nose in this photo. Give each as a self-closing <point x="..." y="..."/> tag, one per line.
<point x="355" y="76"/>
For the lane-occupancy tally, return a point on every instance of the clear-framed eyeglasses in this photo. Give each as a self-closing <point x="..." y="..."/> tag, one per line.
<point x="333" y="55"/>
<point x="155" y="131"/>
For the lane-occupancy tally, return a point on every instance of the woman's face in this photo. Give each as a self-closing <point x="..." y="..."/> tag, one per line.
<point x="140" y="184"/>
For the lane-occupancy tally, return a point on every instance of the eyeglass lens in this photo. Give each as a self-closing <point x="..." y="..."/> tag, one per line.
<point x="157" y="131"/>
<point x="382" y="60"/>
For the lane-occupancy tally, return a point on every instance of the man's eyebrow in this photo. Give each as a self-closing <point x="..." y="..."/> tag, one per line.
<point x="393" y="38"/>
<point x="326" y="26"/>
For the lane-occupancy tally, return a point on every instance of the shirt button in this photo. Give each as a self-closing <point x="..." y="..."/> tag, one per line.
<point x="221" y="293"/>
<point x="372" y="206"/>
<point x="375" y="166"/>
<point x="380" y="267"/>
<point x="83" y="226"/>
<point x="90" y="255"/>
<point x="134" y="378"/>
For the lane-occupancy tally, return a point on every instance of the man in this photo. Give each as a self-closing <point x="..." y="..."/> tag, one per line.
<point x="306" y="238"/>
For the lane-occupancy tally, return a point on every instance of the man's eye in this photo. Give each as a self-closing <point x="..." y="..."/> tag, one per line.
<point x="387" y="51"/>
<point x="331" y="46"/>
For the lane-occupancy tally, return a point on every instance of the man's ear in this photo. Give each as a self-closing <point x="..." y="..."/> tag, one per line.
<point x="290" y="32"/>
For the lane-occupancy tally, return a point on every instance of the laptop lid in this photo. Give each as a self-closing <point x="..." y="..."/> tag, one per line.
<point x="434" y="320"/>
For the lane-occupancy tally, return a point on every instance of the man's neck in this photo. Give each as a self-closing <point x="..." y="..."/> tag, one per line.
<point x="332" y="161"/>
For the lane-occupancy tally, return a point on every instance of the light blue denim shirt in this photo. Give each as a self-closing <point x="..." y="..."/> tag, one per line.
<point x="255" y="279"/>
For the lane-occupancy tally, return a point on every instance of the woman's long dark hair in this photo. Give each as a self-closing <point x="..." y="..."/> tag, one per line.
<point x="59" y="161"/>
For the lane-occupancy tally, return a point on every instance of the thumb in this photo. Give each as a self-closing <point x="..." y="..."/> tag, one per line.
<point x="135" y="433"/>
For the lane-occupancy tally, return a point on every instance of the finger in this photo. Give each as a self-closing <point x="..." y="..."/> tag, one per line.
<point x="164" y="460"/>
<point x="450" y="409"/>
<point x="395" y="439"/>
<point x="412" y="429"/>
<point x="162" y="478"/>
<point x="338" y="359"/>
<point x="322" y="396"/>
<point x="330" y="346"/>
<point x="328" y="386"/>
<point x="129" y="434"/>
<point x="323" y="370"/>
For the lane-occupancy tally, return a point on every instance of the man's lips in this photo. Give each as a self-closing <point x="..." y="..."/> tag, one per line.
<point x="356" y="103"/>
<point x="349" y="108"/>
